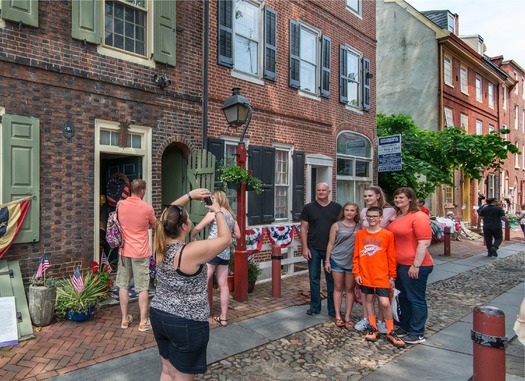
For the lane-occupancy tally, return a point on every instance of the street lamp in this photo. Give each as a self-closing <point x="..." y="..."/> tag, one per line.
<point x="238" y="111"/>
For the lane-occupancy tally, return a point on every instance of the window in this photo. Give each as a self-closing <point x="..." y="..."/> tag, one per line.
<point x="309" y="60"/>
<point x="492" y="186"/>
<point x="354" y="80"/>
<point x="523" y="124"/>
<point x="516" y="157"/>
<point x="354" y="6"/>
<point x="247" y="38"/>
<point x="354" y="160"/>
<point x="478" y="89"/>
<point x="109" y="138"/>
<point x="464" y="79"/>
<point x="479" y="127"/>
<point x="448" y="191"/>
<point x="516" y="117"/>
<point x="130" y="29"/>
<point x="523" y="88"/>
<point x="504" y="90"/>
<point x="447" y="71"/>
<point x="516" y="90"/>
<point x="464" y="122"/>
<point x="523" y="157"/>
<point x="491" y="128"/>
<point x="451" y="23"/>
<point x="491" y="95"/>
<point x="449" y="120"/>
<point x="282" y="183"/>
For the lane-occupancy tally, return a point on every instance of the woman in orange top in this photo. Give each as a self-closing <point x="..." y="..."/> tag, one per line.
<point x="412" y="235"/>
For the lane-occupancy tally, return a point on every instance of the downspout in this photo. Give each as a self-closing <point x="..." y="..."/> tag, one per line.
<point x="205" y="74"/>
<point x="440" y="197"/>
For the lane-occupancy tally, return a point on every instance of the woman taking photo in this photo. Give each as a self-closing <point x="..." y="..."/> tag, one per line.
<point x="219" y="264"/>
<point x="412" y="236"/>
<point x="179" y="311"/>
<point x="339" y="258"/>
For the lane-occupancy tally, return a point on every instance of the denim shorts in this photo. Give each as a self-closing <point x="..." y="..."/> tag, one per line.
<point x="182" y="342"/>
<point x="338" y="269"/>
<point x="218" y="261"/>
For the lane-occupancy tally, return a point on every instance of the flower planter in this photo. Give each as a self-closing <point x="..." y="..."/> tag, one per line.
<point x="233" y="185"/>
<point x="41" y="304"/>
<point x="251" y="286"/>
<point x="81" y="315"/>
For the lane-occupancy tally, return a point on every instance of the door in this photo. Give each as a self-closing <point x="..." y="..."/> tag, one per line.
<point x="131" y="166"/>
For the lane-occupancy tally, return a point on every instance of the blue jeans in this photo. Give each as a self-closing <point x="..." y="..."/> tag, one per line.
<point x="412" y="299"/>
<point x="314" y="272"/>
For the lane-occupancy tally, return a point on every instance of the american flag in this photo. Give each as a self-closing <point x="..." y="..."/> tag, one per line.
<point x="42" y="267"/>
<point x="77" y="281"/>
<point x="104" y="261"/>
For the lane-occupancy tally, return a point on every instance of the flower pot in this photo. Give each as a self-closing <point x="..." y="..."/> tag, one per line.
<point x="41" y="304"/>
<point x="251" y="286"/>
<point x="231" y="282"/>
<point x="233" y="185"/>
<point x="81" y="315"/>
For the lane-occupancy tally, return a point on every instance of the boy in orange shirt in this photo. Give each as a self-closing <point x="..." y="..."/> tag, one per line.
<point x="375" y="271"/>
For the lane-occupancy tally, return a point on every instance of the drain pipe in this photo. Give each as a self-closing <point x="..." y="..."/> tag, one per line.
<point x="205" y="74"/>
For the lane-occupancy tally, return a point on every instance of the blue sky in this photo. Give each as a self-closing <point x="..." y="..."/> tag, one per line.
<point x="495" y="21"/>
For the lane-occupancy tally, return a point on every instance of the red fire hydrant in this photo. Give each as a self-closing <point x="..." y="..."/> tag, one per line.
<point x="489" y="343"/>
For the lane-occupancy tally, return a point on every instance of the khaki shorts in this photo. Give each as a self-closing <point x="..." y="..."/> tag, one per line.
<point x="136" y="268"/>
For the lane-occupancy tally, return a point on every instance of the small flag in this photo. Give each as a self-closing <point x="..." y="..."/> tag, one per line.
<point x="42" y="267"/>
<point x="77" y="280"/>
<point x="104" y="261"/>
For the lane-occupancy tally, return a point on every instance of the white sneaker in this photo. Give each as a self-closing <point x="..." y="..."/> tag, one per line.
<point x="361" y="325"/>
<point x="381" y="326"/>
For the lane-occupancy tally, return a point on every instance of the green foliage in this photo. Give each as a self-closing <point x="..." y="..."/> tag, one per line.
<point x="69" y="299"/>
<point x="253" y="270"/>
<point x="430" y="157"/>
<point x="46" y="281"/>
<point x="236" y="174"/>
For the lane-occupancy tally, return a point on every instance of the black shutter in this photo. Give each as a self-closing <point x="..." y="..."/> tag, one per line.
<point x="216" y="147"/>
<point x="225" y="33"/>
<point x="295" y="54"/>
<point x="366" y="84"/>
<point x="261" y="206"/>
<point x="270" y="44"/>
<point x="343" y="74"/>
<point x="298" y="185"/>
<point x="326" y="45"/>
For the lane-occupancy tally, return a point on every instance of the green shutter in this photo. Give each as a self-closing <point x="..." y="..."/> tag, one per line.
<point x="21" y="169"/>
<point x="85" y="23"/>
<point x="165" y="22"/>
<point x="25" y="12"/>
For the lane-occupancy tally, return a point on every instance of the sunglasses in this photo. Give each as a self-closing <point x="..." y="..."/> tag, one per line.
<point x="181" y="212"/>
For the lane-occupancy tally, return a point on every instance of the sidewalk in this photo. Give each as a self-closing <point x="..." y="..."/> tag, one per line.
<point x="99" y="349"/>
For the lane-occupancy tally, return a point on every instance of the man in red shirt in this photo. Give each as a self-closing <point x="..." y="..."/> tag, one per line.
<point x="421" y="204"/>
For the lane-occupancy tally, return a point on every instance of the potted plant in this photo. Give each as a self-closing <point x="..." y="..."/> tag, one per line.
<point x="253" y="274"/>
<point x="80" y="305"/>
<point x="234" y="175"/>
<point x="41" y="297"/>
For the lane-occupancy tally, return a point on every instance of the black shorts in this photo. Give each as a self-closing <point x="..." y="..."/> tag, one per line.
<point x="376" y="290"/>
<point x="182" y="342"/>
<point x="217" y="261"/>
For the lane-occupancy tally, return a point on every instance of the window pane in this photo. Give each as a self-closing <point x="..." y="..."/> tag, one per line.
<point x="125" y="26"/>
<point x="114" y="138"/>
<point x="247" y="20"/>
<point x="353" y="67"/>
<point x="362" y="168"/>
<point x="308" y="77"/>
<point x="353" y="94"/>
<point x="136" y="141"/>
<point x="281" y="202"/>
<point x="246" y="55"/>
<point x="308" y="46"/>
<point x="354" y="5"/>
<point x="352" y="144"/>
<point x="345" y="167"/>
<point x="105" y="137"/>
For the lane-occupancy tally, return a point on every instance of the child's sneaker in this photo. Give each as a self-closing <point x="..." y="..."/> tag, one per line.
<point x="143" y="327"/>
<point x="361" y="325"/>
<point x="371" y="334"/>
<point x="395" y="340"/>
<point x="381" y="326"/>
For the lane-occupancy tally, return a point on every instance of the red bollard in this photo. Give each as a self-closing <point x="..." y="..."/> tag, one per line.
<point x="276" y="271"/>
<point x="446" y="242"/>
<point x="489" y="343"/>
<point x="507" y="232"/>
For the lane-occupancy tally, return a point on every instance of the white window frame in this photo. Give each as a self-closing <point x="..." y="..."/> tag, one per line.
<point x="451" y="23"/>
<point x="479" y="88"/>
<point x="447" y="71"/>
<point x="286" y="149"/>
<point x="449" y="117"/>
<point x="490" y="94"/>
<point x="351" y="53"/>
<point x="479" y="127"/>
<point x="516" y="87"/>
<point x="491" y="128"/>
<point x="351" y="6"/>
<point x="315" y="93"/>
<point x="504" y="89"/>
<point x="516" y="157"/>
<point x="464" y="121"/>
<point x="463" y="73"/>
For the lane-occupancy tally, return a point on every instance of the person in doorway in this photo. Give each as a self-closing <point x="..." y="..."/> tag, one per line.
<point x="422" y="207"/>
<point x="339" y="257"/>
<point x="219" y="264"/>
<point x="136" y="217"/>
<point x="317" y="218"/>
<point x="179" y="310"/>
<point x="492" y="215"/>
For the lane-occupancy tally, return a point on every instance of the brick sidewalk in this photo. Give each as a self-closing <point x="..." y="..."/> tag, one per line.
<point x="67" y="346"/>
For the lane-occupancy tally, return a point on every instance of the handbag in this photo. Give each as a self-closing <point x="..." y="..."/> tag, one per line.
<point x="114" y="236"/>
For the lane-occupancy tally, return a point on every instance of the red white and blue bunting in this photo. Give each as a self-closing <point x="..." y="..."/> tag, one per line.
<point x="281" y="236"/>
<point x="254" y="240"/>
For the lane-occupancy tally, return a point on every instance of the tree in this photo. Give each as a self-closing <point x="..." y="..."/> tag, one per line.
<point x="431" y="157"/>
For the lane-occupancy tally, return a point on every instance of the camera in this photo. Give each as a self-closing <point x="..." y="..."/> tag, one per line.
<point x="208" y="200"/>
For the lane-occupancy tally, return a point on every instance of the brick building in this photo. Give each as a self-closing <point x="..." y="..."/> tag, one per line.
<point x="140" y="101"/>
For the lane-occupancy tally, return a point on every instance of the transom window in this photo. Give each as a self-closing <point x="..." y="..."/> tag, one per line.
<point x="125" y="25"/>
<point x="247" y="19"/>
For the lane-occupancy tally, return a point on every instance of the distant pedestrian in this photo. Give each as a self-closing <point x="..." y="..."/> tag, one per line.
<point x="413" y="234"/>
<point x="136" y="217"/>
<point x="521" y="219"/>
<point x="422" y="207"/>
<point x="317" y="218"/>
<point x="375" y="271"/>
<point x="180" y="309"/>
<point x="219" y="264"/>
<point x="492" y="215"/>
<point x="339" y="260"/>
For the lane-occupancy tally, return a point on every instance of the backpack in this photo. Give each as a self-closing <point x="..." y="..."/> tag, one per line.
<point x="114" y="236"/>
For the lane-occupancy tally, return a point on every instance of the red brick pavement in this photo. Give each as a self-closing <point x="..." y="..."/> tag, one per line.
<point x="66" y="346"/>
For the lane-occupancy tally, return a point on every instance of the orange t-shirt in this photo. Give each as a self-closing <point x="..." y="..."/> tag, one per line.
<point x="374" y="258"/>
<point x="135" y="217"/>
<point x="410" y="229"/>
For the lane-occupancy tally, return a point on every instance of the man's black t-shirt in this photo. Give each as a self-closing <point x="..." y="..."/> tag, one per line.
<point x="491" y="215"/>
<point x="320" y="219"/>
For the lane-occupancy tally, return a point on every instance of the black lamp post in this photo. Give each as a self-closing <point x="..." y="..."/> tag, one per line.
<point x="238" y="111"/>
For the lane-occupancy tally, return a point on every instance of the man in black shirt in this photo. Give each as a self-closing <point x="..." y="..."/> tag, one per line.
<point x="317" y="218"/>
<point x="492" y="216"/>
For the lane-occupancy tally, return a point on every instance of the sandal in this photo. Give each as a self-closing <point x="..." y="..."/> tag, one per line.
<point x="125" y="323"/>
<point x="340" y="323"/>
<point x="349" y="325"/>
<point x="222" y="322"/>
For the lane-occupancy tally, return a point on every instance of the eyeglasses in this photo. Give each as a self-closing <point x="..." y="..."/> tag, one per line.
<point x="372" y="217"/>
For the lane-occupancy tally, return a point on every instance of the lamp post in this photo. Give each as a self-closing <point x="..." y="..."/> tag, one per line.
<point x="238" y="112"/>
